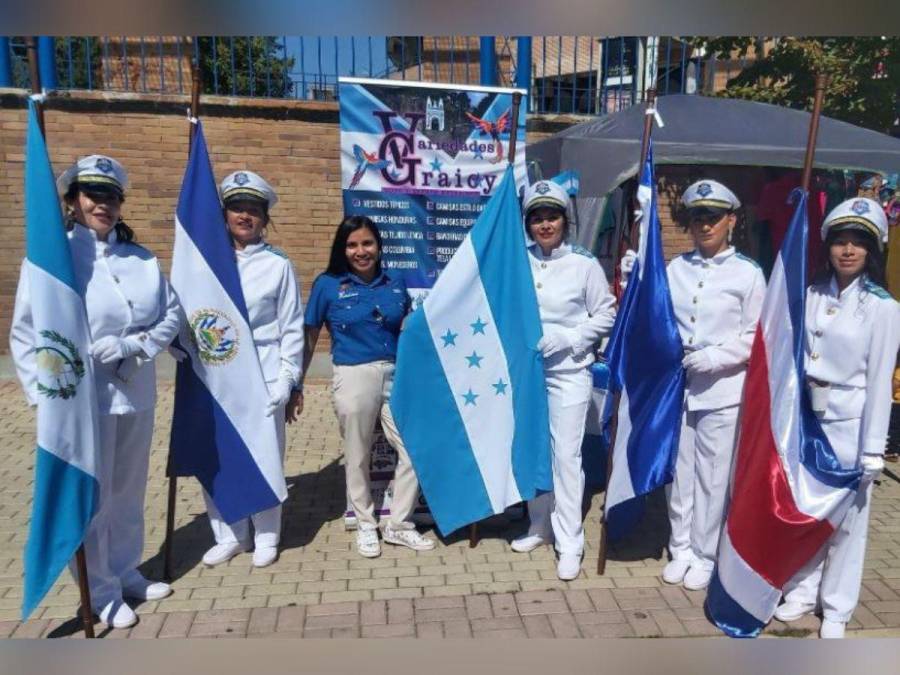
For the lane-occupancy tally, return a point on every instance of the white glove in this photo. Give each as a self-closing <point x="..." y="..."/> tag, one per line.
<point x="559" y="341"/>
<point x="626" y="265"/>
<point x="281" y="392"/>
<point x="699" y="362"/>
<point x="178" y="354"/>
<point x="111" y="348"/>
<point x="871" y="466"/>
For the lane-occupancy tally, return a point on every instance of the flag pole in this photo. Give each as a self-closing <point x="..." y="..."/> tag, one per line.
<point x="170" y="473"/>
<point x="821" y="84"/>
<point x="87" y="618"/>
<point x="511" y="158"/>
<point x="645" y="149"/>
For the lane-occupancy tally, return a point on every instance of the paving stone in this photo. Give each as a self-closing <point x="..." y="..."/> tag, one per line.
<point x="395" y="630"/>
<point x="564" y="625"/>
<point x="262" y="620"/>
<point x="400" y="611"/>
<point x="287" y="618"/>
<point x="176" y="625"/>
<point x="457" y="629"/>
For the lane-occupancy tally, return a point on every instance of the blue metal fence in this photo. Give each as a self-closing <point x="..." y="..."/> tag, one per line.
<point x="566" y="75"/>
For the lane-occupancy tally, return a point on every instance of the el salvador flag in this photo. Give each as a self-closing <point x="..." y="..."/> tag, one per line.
<point x="469" y="397"/>
<point x="66" y="490"/>
<point x="789" y="492"/>
<point x="644" y="356"/>
<point x="220" y="433"/>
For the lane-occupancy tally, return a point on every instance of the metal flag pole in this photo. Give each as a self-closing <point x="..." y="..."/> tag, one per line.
<point x="87" y="618"/>
<point x="170" y="472"/>
<point x="645" y="148"/>
<point x="511" y="158"/>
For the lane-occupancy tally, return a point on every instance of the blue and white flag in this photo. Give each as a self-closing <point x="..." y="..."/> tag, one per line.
<point x="65" y="463"/>
<point x="469" y="397"/>
<point x="644" y="355"/>
<point x="570" y="180"/>
<point x="220" y="432"/>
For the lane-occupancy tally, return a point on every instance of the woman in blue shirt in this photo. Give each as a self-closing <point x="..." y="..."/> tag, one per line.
<point x="364" y="308"/>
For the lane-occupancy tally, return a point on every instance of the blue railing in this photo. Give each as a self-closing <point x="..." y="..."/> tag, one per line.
<point x="568" y="75"/>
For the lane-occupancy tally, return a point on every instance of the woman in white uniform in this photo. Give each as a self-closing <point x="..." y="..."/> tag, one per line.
<point x="276" y="320"/>
<point x="852" y="336"/>
<point x="576" y="312"/>
<point x="133" y="315"/>
<point x="717" y="296"/>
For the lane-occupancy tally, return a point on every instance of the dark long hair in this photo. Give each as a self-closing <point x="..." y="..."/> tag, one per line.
<point x="337" y="263"/>
<point x="874" y="268"/>
<point x="123" y="231"/>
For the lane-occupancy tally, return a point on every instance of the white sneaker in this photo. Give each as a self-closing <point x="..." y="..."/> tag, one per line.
<point x="527" y="543"/>
<point x="569" y="566"/>
<point x="367" y="543"/>
<point x="674" y="571"/>
<point x="832" y="629"/>
<point x="263" y="556"/>
<point x="697" y="578"/>
<point x="409" y="538"/>
<point x="117" y="614"/>
<point x="221" y="553"/>
<point x="791" y="611"/>
<point x="140" y="588"/>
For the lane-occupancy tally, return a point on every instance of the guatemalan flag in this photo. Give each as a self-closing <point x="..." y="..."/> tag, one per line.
<point x="469" y="397"/>
<point x="789" y="492"/>
<point x="220" y="433"/>
<point x="644" y="356"/>
<point x="65" y="485"/>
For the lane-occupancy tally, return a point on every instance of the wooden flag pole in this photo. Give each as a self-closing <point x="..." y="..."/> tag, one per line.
<point x="511" y="157"/>
<point x="170" y="473"/>
<point x="87" y="618"/>
<point x="821" y="84"/>
<point x="645" y="149"/>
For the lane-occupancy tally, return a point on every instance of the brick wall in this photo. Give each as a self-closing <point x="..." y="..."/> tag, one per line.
<point x="293" y="144"/>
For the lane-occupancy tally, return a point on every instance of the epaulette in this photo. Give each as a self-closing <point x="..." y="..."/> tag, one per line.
<point x="277" y="251"/>
<point x="581" y="250"/>
<point x="741" y="256"/>
<point x="876" y="290"/>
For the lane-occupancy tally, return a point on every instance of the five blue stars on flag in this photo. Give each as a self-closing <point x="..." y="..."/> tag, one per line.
<point x="478" y="328"/>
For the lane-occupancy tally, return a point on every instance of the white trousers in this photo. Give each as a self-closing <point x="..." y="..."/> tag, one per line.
<point x="361" y="394"/>
<point x="114" y="542"/>
<point x="568" y="397"/>
<point x="698" y="494"/>
<point x="266" y="524"/>
<point x="834" y="575"/>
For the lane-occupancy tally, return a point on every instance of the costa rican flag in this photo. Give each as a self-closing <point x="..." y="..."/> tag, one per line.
<point x="220" y="433"/>
<point x="789" y="492"/>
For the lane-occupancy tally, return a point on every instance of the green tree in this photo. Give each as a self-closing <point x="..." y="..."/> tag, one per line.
<point x="255" y="66"/>
<point x="864" y="74"/>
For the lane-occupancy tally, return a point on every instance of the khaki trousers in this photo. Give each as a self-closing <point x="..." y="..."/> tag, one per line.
<point x="361" y="395"/>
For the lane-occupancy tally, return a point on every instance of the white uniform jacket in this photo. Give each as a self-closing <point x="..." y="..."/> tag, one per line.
<point x="276" y="312"/>
<point x="851" y="344"/>
<point x="573" y="297"/>
<point x="125" y="294"/>
<point x="717" y="303"/>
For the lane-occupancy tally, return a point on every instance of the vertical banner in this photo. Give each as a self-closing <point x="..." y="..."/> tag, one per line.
<point x="421" y="160"/>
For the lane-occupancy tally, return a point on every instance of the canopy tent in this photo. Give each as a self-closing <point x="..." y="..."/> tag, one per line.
<point x="702" y="130"/>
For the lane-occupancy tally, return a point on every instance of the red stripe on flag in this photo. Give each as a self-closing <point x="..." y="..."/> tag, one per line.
<point x="766" y="528"/>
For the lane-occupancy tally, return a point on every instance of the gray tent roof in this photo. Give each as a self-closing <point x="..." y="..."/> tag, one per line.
<point x="704" y="130"/>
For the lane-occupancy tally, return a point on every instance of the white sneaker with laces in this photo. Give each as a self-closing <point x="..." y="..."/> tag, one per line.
<point x="697" y="578"/>
<point x="117" y="614"/>
<point x="528" y="542"/>
<point x="674" y="571"/>
<point x="367" y="543"/>
<point x="832" y="630"/>
<point x="569" y="566"/>
<point x="140" y="588"/>
<point x="791" y="611"/>
<point x="409" y="538"/>
<point x="263" y="556"/>
<point x="221" y="553"/>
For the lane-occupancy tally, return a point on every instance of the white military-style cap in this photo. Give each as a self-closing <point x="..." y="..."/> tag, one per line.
<point x="544" y="193"/>
<point x="859" y="213"/>
<point x="247" y="185"/>
<point x="97" y="171"/>
<point x="710" y="194"/>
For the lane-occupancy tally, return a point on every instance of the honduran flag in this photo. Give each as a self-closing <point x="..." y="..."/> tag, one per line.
<point x="220" y="432"/>
<point x="65" y="462"/>
<point x="644" y="356"/>
<point x="469" y="397"/>
<point x="789" y="492"/>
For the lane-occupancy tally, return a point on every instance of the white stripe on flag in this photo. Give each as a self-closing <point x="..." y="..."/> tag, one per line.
<point x="489" y="422"/>
<point x="753" y="593"/>
<point x="620" y="486"/>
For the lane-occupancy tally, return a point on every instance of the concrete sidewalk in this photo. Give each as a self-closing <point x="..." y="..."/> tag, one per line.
<point x="321" y="587"/>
